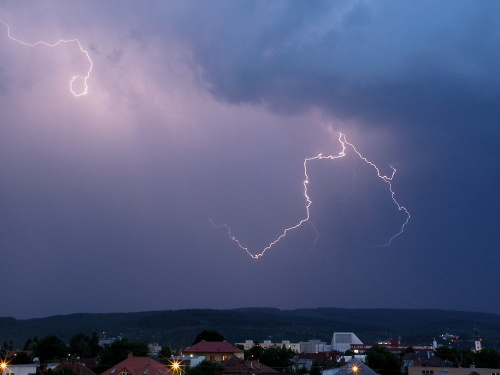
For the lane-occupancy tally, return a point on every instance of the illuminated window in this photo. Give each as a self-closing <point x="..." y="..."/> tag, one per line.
<point x="224" y="357"/>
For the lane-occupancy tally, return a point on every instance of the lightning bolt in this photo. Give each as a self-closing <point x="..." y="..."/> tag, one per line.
<point x="345" y="145"/>
<point x="85" y="52"/>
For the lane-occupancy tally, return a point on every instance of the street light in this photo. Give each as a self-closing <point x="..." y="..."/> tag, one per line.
<point x="3" y="365"/>
<point x="176" y="366"/>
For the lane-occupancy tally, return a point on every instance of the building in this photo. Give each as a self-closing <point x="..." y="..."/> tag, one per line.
<point x="139" y="366"/>
<point x="238" y="366"/>
<point x="154" y="349"/>
<point x="314" y="346"/>
<point x="30" y="369"/>
<point x="311" y="346"/>
<point x="186" y="362"/>
<point x="472" y="370"/>
<point x="393" y="345"/>
<point x="423" y="359"/>
<point x="323" y="359"/>
<point x="341" y="341"/>
<point x="268" y="343"/>
<point x="214" y="350"/>
<point x="354" y="367"/>
<point x="74" y="366"/>
<point x="477" y="341"/>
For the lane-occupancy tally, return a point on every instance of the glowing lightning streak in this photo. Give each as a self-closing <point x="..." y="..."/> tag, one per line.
<point x="85" y="78"/>
<point x="342" y="153"/>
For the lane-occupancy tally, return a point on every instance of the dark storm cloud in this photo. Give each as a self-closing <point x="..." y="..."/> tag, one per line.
<point x="405" y="63"/>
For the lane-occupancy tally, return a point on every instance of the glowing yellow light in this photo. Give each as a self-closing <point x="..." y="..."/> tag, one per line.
<point x="3" y="365"/>
<point x="355" y="368"/>
<point x="176" y="366"/>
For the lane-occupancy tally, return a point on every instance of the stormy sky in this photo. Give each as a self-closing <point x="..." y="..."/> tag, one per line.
<point x="203" y="112"/>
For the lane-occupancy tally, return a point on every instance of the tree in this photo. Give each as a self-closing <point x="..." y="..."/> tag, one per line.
<point x="50" y="347"/>
<point x="27" y="344"/>
<point x="84" y="346"/>
<point x="409" y="349"/>
<point x="95" y="348"/>
<point x="383" y="361"/>
<point x="79" y="345"/>
<point x="458" y="357"/>
<point x="276" y="357"/>
<point x="20" y="359"/>
<point x="206" y="368"/>
<point x="447" y="353"/>
<point x="165" y="351"/>
<point x="254" y="352"/>
<point x="487" y="358"/>
<point x="118" y="351"/>
<point x="34" y="344"/>
<point x="208" y="336"/>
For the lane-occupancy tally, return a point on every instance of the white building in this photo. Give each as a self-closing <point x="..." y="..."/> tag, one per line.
<point x="154" y="349"/>
<point x="341" y="341"/>
<point x="29" y="369"/>
<point x="296" y="347"/>
<point x="314" y="346"/>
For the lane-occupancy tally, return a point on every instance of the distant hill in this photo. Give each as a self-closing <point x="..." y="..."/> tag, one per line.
<point x="178" y="328"/>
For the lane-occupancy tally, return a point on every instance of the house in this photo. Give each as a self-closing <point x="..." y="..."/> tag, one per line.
<point x="75" y="366"/>
<point x="423" y="359"/>
<point x="154" y="349"/>
<point x="394" y="346"/>
<point x="214" y="350"/>
<point x="14" y="353"/>
<point x="302" y="364"/>
<point x="186" y="362"/>
<point x="238" y="366"/>
<point x="266" y="344"/>
<point x="314" y="346"/>
<point x="139" y="366"/>
<point x="472" y="370"/>
<point x="308" y="360"/>
<point x="29" y="369"/>
<point x="341" y="341"/>
<point x="354" y="367"/>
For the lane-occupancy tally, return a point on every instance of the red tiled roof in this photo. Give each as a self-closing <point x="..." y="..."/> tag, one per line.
<point x="76" y="367"/>
<point x="139" y="366"/>
<point x="13" y="353"/>
<point x="236" y="366"/>
<point x="212" y="347"/>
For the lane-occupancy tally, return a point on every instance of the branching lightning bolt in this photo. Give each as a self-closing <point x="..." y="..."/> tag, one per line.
<point x="85" y="52"/>
<point x="343" y="141"/>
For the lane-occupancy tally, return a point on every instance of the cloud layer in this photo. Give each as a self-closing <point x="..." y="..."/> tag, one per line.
<point x="200" y="111"/>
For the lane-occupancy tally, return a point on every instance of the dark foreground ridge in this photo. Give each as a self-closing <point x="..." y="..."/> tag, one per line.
<point x="177" y="328"/>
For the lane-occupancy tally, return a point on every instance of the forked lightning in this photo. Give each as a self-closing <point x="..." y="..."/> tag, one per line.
<point x="84" y="78"/>
<point x="341" y="154"/>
